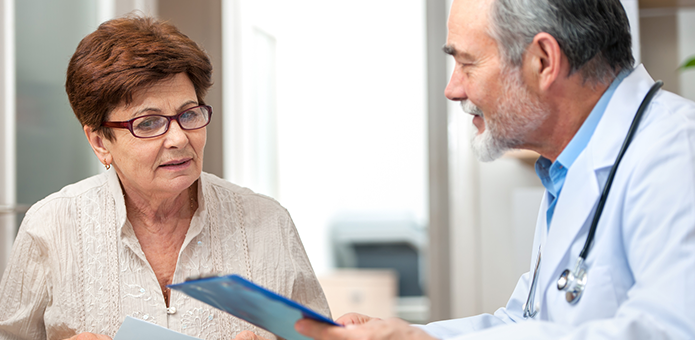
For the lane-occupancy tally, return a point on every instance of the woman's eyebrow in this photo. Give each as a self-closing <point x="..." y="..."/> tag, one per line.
<point x="154" y="109"/>
<point x="184" y="105"/>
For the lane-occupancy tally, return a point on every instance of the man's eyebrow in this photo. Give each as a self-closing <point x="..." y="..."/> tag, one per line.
<point x="452" y="51"/>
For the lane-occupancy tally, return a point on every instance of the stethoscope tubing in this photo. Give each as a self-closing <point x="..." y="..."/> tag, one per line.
<point x="580" y="270"/>
<point x="609" y="182"/>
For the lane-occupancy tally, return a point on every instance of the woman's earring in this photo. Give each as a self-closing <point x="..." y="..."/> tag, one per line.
<point x="107" y="166"/>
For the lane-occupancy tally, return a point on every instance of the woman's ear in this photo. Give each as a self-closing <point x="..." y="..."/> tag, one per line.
<point x="544" y="60"/>
<point x="96" y="140"/>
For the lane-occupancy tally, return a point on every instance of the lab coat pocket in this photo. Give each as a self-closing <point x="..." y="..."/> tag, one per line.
<point x="597" y="302"/>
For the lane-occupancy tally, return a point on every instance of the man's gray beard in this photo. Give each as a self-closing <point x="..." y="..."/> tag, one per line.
<point x="519" y="113"/>
<point x="486" y="148"/>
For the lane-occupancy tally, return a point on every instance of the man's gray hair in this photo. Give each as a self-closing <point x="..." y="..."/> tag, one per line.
<point x="593" y="34"/>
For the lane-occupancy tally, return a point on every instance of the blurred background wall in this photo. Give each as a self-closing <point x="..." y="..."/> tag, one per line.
<point x="335" y="109"/>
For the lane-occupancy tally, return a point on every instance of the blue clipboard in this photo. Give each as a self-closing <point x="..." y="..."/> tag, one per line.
<point x="251" y="302"/>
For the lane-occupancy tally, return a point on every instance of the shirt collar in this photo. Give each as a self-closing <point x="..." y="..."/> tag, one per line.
<point x="583" y="136"/>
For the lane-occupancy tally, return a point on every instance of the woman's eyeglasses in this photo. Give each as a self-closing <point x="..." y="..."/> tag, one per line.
<point x="151" y="126"/>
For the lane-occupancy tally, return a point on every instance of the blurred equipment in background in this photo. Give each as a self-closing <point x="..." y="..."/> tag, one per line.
<point x="368" y="291"/>
<point x="386" y="242"/>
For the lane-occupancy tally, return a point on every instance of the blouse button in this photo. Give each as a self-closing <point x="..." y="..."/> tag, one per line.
<point x="171" y="310"/>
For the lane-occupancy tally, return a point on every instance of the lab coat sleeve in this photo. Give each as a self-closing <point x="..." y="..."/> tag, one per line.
<point x="657" y="224"/>
<point x="635" y="327"/>
<point x="506" y="315"/>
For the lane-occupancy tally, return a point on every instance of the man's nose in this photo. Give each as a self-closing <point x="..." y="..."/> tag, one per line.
<point x="455" y="90"/>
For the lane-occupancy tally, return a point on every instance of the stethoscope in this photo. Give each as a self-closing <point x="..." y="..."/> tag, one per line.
<point x="574" y="282"/>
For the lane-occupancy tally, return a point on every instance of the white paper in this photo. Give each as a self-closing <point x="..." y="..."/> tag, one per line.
<point x="136" y="329"/>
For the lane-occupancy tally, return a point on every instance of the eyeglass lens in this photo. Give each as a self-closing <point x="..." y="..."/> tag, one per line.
<point x="150" y="126"/>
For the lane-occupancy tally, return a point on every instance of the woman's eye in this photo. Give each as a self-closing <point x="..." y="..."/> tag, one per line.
<point x="192" y="116"/>
<point x="149" y="123"/>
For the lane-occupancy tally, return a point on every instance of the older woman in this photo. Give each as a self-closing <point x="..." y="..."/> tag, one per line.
<point x="106" y="247"/>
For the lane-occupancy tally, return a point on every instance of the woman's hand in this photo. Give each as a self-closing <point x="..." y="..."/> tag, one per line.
<point x="90" y="336"/>
<point x="354" y="319"/>
<point x="248" y="335"/>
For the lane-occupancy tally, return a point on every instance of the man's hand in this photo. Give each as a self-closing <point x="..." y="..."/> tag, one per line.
<point x="354" y="319"/>
<point x="90" y="336"/>
<point x="248" y="335"/>
<point x="373" y="329"/>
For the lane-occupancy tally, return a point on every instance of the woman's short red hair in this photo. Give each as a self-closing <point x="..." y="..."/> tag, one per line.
<point x="124" y="56"/>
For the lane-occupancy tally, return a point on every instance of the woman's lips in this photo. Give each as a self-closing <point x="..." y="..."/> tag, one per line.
<point x="176" y="164"/>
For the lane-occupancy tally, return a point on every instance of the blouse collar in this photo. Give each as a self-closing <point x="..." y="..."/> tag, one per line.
<point x="125" y="229"/>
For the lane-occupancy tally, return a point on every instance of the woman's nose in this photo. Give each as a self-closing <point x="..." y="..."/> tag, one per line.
<point x="175" y="136"/>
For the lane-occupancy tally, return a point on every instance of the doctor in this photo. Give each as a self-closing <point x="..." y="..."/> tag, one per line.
<point x="557" y="77"/>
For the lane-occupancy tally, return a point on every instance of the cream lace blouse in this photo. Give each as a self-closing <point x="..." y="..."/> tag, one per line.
<point x="77" y="266"/>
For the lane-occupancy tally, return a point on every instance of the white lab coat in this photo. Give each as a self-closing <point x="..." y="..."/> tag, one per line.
<point x="641" y="268"/>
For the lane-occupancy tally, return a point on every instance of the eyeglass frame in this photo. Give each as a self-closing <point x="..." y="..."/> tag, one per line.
<point x="128" y="124"/>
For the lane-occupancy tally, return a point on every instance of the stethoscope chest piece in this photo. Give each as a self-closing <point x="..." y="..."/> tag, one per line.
<point x="564" y="279"/>
<point x="573" y="282"/>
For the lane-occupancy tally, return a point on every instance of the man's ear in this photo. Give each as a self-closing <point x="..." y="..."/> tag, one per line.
<point x="544" y="61"/>
<point x="96" y="140"/>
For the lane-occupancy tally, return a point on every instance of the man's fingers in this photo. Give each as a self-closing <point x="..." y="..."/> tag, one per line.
<point x="246" y="335"/>
<point x="316" y="330"/>
<point x="353" y="319"/>
<point x="89" y="336"/>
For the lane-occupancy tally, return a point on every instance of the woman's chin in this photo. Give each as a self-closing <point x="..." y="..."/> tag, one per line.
<point x="183" y="182"/>
<point x="176" y="184"/>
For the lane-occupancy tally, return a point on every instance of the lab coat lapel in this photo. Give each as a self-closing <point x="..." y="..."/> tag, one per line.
<point x="583" y="186"/>
<point x="575" y="204"/>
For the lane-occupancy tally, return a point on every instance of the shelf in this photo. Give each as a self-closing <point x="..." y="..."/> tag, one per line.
<point x="644" y="4"/>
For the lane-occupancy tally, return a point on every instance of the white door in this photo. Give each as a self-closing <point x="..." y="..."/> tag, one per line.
<point x="7" y="150"/>
<point x="43" y="147"/>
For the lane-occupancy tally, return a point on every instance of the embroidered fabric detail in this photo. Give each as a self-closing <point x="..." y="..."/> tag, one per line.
<point x="80" y="312"/>
<point x="78" y="270"/>
<point x="225" y="321"/>
<point x="201" y="322"/>
<point x="242" y="228"/>
<point x="102" y="311"/>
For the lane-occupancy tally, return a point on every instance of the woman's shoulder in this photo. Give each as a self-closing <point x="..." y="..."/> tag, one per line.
<point x="56" y="215"/>
<point x="68" y="193"/>
<point x="226" y="191"/>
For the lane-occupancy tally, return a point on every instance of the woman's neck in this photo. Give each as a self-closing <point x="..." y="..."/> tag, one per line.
<point x="156" y="211"/>
<point x="161" y="225"/>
